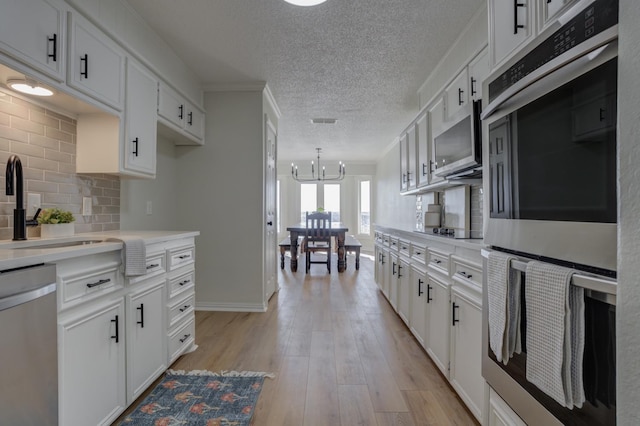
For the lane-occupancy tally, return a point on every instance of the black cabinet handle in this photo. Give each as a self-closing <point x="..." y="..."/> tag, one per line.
<point x="460" y="93"/>
<point x="117" y="335"/>
<point x="454" y="320"/>
<point x="84" y="59"/>
<point x="473" y="86"/>
<point x="181" y="283"/>
<point x="184" y="308"/>
<point x="437" y="262"/>
<point x="141" y="309"/>
<point x="466" y="275"/>
<point x="97" y="283"/>
<point x="181" y="115"/>
<point x="404" y="178"/>
<point x="394" y="269"/>
<point x="270" y="223"/>
<point x="184" y="256"/>
<point x="383" y="258"/>
<point x="399" y="267"/>
<point x="516" y="26"/>
<point x="420" y="282"/>
<point x="54" y="54"/>
<point x="424" y="168"/>
<point x="602" y="114"/>
<point x="153" y="265"/>
<point x="184" y="339"/>
<point x="135" y="143"/>
<point x="190" y="119"/>
<point x="429" y="298"/>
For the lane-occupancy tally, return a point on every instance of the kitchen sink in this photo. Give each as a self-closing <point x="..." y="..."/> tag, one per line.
<point x="59" y="245"/>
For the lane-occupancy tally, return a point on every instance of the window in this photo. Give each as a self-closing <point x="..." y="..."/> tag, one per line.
<point x="364" y="216"/>
<point x="308" y="199"/>
<point x="332" y="200"/>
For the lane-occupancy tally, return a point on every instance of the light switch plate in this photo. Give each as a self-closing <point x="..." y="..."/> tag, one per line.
<point x="149" y="207"/>
<point x="33" y="203"/>
<point x="86" y="206"/>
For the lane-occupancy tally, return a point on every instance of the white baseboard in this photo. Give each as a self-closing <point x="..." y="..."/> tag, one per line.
<point x="231" y="307"/>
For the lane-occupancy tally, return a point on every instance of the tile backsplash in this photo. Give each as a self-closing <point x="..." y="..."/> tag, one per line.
<point x="45" y="141"/>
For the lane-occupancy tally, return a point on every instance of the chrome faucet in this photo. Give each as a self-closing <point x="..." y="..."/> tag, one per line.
<point x="19" y="215"/>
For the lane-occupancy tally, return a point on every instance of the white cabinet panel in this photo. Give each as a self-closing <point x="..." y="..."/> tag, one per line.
<point x="422" y="148"/>
<point x="436" y="124"/>
<point x="457" y="96"/>
<point x="500" y="414"/>
<point x="510" y="27"/>
<point x="182" y="121"/>
<point x="33" y="32"/>
<point x="96" y="63"/>
<point x="404" y="290"/>
<point x="478" y="71"/>
<point x="550" y="10"/>
<point x="418" y="319"/>
<point x="438" y="317"/>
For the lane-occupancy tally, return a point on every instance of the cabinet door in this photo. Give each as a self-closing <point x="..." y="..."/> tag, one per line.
<point x="500" y="414"/>
<point x="418" y="310"/>
<point x="422" y="144"/>
<point x="92" y="366"/>
<point x="393" y="281"/>
<point x="466" y="350"/>
<point x="478" y="71"/>
<point x="146" y="339"/>
<point x="194" y="121"/>
<point x="171" y="106"/>
<point x="32" y="31"/>
<point x="436" y="122"/>
<point x="438" y="320"/>
<point x="96" y="63"/>
<point x="404" y="291"/>
<point x="404" y="179"/>
<point x="411" y="157"/>
<point x="510" y="26"/>
<point x="386" y="271"/>
<point x="457" y="97"/>
<point x="550" y="10"/>
<point x="139" y="150"/>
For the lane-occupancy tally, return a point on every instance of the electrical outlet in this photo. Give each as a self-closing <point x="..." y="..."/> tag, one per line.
<point x="33" y="203"/>
<point x="149" y="207"/>
<point x="86" y="206"/>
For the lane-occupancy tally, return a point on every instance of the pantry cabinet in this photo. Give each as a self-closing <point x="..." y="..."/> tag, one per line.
<point x="96" y="63"/>
<point x="92" y="365"/>
<point x="181" y="120"/>
<point x="511" y="26"/>
<point x="33" y="32"/>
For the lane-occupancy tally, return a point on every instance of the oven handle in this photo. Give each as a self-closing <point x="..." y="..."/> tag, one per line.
<point x="572" y="62"/>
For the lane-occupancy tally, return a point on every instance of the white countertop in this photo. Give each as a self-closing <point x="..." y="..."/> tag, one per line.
<point x="16" y="254"/>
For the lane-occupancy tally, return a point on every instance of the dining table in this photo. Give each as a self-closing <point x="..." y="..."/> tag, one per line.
<point x="338" y="230"/>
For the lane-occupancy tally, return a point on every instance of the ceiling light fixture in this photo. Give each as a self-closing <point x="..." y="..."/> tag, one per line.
<point x="305" y="2"/>
<point x="29" y="86"/>
<point x="321" y="177"/>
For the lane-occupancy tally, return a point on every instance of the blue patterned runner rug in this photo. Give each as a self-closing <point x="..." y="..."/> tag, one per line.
<point x="200" y="397"/>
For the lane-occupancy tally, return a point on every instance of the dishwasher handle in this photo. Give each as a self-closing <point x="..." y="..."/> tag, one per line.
<point x="20" y="298"/>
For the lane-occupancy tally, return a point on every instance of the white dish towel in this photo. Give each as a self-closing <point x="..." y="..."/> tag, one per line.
<point x="134" y="255"/>
<point x="503" y="284"/>
<point x="555" y="332"/>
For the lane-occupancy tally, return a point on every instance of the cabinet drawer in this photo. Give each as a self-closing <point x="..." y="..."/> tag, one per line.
<point x="181" y="256"/>
<point x="404" y="247"/>
<point x="386" y="239"/>
<point x="87" y="285"/>
<point x="181" y="309"/>
<point x="155" y="265"/>
<point x="181" y="283"/>
<point x="419" y="253"/>
<point x="466" y="272"/>
<point x="393" y="243"/>
<point x="438" y="261"/>
<point x="182" y="338"/>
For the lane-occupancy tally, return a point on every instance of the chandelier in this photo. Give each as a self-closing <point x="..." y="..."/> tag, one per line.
<point x="322" y="176"/>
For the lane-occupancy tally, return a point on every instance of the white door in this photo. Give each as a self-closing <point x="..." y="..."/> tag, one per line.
<point x="270" y="252"/>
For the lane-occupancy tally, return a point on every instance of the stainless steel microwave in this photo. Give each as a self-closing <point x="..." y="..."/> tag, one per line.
<point x="551" y="126"/>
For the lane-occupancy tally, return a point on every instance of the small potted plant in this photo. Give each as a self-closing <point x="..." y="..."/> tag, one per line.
<point x="56" y="222"/>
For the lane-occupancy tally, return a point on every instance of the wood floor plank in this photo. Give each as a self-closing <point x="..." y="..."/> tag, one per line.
<point x="321" y="406"/>
<point x="348" y="365"/>
<point x="395" y="419"/>
<point x="288" y="401"/>
<point x="355" y="406"/>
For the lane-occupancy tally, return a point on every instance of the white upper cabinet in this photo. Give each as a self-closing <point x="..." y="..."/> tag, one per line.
<point x="457" y="96"/>
<point x="511" y="25"/>
<point x="478" y="71"/>
<point x="411" y="157"/>
<point x="182" y="118"/>
<point x="436" y="123"/>
<point x="33" y="32"/>
<point x="139" y="144"/>
<point x="422" y="148"/>
<point x="404" y="180"/>
<point x="96" y="63"/>
<point x="549" y="10"/>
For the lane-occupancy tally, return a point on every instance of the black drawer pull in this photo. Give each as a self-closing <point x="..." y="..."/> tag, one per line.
<point x="394" y="268"/>
<point x="184" y="339"/>
<point x="399" y="267"/>
<point x="184" y="256"/>
<point x="97" y="283"/>
<point x="437" y="262"/>
<point x="464" y="274"/>
<point x="516" y="26"/>
<point x="184" y="282"/>
<point x="429" y="298"/>
<point x="141" y="309"/>
<point x="135" y="143"/>
<point x="473" y="86"/>
<point x="181" y="115"/>
<point x="117" y="335"/>
<point x="153" y="265"/>
<point x="84" y="59"/>
<point x="54" y="41"/>
<point x="460" y="93"/>
<point x="190" y="119"/>
<point x="185" y="308"/>
<point x="420" y="282"/>
<point x="454" y="320"/>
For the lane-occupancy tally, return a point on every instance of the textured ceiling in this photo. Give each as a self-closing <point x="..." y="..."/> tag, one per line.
<point x="360" y="61"/>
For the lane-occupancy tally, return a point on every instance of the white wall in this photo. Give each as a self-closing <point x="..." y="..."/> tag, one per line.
<point x="628" y="308"/>
<point x="161" y="191"/>
<point x="220" y="193"/>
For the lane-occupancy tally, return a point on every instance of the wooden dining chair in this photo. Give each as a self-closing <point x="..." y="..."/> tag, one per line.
<point x="317" y="238"/>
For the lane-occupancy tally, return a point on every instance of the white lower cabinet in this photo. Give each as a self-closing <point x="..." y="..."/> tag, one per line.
<point x="145" y="333"/>
<point x="404" y="290"/>
<point x="438" y="317"/>
<point x="92" y="364"/>
<point x="500" y="414"/>
<point x="393" y="281"/>
<point x="465" y="373"/>
<point x="418" y="298"/>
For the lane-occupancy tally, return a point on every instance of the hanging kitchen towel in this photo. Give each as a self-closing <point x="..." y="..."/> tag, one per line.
<point x="513" y="312"/>
<point x="576" y="305"/>
<point x="134" y="255"/>
<point x="549" y="330"/>
<point x="498" y="267"/>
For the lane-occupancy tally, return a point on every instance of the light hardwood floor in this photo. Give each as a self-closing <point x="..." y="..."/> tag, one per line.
<point x="340" y="353"/>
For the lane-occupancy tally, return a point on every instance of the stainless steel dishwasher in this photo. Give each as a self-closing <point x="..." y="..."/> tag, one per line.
<point x="28" y="346"/>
